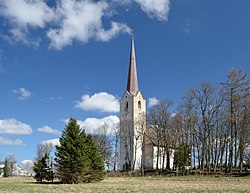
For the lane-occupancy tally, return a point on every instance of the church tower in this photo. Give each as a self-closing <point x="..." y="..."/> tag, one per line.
<point x="132" y="119"/>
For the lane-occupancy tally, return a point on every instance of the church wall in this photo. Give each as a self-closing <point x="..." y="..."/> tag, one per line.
<point x="126" y="130"/>
<point x="139" y="119"/>
<point x="148" y="161"/>
<point x="132" y="125"/>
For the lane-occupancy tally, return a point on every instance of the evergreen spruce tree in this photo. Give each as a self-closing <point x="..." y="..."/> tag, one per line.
<point x="97" y="165"/>
<point x="42" y="170"/>
<point x="6" y="169"/>
<point x="73" y="157"/>
<point x="182" y="157"/>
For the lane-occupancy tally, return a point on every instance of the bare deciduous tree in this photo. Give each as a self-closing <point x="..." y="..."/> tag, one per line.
<point x="103" y="140"/>
<point x="115" y="133"/>
<point x="42" y="149"/>
<point x="237" y="94"/>
<point x="158" y="119"/>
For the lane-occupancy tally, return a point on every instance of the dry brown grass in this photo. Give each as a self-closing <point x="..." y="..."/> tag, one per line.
<point x="133" y="184"/>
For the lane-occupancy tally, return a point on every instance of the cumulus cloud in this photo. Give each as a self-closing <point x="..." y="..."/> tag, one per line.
<point x="53" y="142"/>
<point x="158" y="9"/>
<point x="101" y="101"/>
<point x="6" y="141"/>
<point x="12" y="126"/>
<point x="47" y="129"/>
<point x="115" y="29"/>
<point x="69" y="21"/>
<point x="91" y="124"/>
<point x="25" y="13"/>
<point x="81" y="21"/>
<point x="23" y="93"/>
<point x="153" y="101"/>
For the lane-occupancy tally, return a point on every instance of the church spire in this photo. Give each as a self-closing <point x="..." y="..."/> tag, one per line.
<point x="132" y="84"/>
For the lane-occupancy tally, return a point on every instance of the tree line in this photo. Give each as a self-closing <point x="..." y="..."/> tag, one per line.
<point x="210" y="128"/>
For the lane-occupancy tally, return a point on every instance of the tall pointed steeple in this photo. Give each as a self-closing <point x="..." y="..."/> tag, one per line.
<point x="132" y="109"/>
<point x="132" y="84"/>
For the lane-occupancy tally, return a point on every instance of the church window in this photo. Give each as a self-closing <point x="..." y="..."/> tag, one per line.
<point x="139" y="105"/>
<point x="126" y="106"/>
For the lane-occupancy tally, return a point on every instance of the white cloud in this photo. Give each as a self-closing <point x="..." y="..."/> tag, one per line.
<point x="12" y="126"/>
<point x="18" y="35"/>
<point x="54" y="142"/>
<point x="47" y="129"/>
<point x="5" y="141"/>
<point x="70" y="21"/>
<point x="153" y="101"/>
<point x="100" y="101"/>
<point x="158" y="9"/>
<point x="90" y="124"/>
<point x="26" y="162"/>
<point x="23" y="13"/>
<point x="23" y="93"/>
<point x="81" y="21"/>
<point x="116" y="28"/>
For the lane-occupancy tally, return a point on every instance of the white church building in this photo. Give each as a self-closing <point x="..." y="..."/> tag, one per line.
<point x="138" y="148"/>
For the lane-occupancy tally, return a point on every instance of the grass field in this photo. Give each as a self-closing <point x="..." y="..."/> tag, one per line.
<point x="132" y="184"/>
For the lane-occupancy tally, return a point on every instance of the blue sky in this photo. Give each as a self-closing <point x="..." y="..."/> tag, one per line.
<point x="61" y="59"/>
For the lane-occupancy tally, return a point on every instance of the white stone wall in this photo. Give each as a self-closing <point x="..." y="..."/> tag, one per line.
<point x="132" y="125"/>
<point x="148" y="161"/>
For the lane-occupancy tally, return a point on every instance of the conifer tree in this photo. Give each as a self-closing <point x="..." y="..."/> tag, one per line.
<point x="77" y="157"/>
<point x="42" y="169"/>
<point x="97" y="165"/>
<point x="6" y="169"/>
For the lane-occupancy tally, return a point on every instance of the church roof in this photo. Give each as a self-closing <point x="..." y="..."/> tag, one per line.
<point x="132" y="84"/>
<point x="154" y="135"/>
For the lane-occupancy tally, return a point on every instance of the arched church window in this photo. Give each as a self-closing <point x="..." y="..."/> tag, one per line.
<point x="139" y="104"/>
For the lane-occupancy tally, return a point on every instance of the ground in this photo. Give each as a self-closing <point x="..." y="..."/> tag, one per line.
<point x="132" y="184"/>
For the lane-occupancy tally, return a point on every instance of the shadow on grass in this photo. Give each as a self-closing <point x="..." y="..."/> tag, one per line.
<point x="44" y="183"/>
